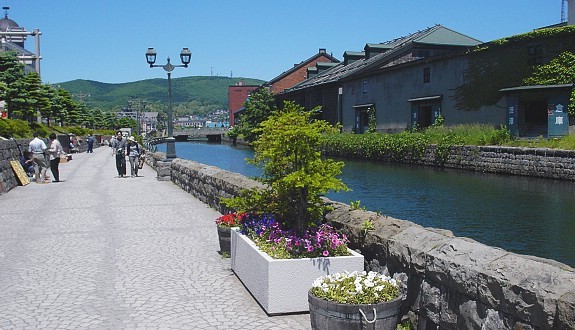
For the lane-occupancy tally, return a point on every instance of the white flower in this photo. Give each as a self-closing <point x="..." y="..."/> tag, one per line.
<point x="363" y="287"/>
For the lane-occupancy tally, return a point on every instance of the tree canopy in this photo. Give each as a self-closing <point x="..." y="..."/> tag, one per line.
<point x="26" y="98"/>
<point x="257" y="108"/>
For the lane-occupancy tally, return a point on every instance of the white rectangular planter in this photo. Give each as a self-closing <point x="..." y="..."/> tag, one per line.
<point x="280" y="285"/>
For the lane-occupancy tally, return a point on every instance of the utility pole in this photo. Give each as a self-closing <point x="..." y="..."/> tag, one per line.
<point x="81" y="96"/>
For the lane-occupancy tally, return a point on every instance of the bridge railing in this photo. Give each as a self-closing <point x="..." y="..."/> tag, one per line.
<point x="191" y="133"/>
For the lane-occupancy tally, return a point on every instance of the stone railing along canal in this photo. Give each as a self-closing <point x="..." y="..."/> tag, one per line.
<point x="454" y="282"/>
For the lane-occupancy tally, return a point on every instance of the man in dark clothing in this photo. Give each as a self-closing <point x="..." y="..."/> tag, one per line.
<point x="119" y="147"/>
<point x="90" y="144"/>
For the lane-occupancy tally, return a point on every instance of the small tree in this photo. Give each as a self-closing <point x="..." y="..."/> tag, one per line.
<point x="258" y="108"/>
<point x="289" y="152"/>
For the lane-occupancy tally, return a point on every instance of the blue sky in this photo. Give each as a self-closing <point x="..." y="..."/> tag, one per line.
<point x="105" y="40"/>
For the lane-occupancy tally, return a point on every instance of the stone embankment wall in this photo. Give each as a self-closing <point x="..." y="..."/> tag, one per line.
<point x="535" y="162"/>
<point x="9" y="151"/>
<point x="454" y="282"/>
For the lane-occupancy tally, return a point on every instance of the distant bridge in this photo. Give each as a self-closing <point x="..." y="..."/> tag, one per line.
<point x="201" y="133"/>
<point x="195" y="134"/>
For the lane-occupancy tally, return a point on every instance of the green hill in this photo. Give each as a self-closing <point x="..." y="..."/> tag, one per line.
<point x="190" y="95"/>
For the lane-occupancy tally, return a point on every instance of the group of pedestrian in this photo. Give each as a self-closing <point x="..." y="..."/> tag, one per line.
<point x="41" y="155"/>
<point x="121" y="148"/>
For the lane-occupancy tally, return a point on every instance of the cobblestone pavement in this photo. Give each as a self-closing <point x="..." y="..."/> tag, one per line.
<point x="99" y="252"/>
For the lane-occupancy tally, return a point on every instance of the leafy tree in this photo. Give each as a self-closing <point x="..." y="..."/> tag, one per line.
<point x="59" y="106"/>
<point x="126" y="122"/>
<point x="259" y="106"/>
<point x="288" y="151"/>
<point x="10" y="72"/>
<point x="110" y="120"/>
<point x="18" y="99"/>
<point x="3" y="90"/>
<point x="99" y="119"/>
<point x="51" y="110"/>
<point x="560" y="70"/>
<point x="162" y="119"/>
<point x="37" y="99"/>
<point x="70" y="111"/>
<point x="85" y="114"/>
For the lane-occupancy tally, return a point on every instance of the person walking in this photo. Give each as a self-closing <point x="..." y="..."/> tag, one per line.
<point x="90" y="144"/>
<point x="55" y="151"/>
<point x="38" y="147"/>
<point x="119" y="147"/>
<point x="133" y="151"/>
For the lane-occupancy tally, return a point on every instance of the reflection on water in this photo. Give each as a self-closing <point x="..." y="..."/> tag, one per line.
<point x="524" y="215"/>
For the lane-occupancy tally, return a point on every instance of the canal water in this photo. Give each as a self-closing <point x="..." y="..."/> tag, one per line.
<point x="519" y="214"/>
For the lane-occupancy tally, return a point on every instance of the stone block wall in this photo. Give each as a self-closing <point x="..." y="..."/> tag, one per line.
<point x="209" y="183"/>
<point x="454" y="282"/>
<point x="458" y="283"/>
<point x="535" y="162"/>
<point x="9" y="151"/>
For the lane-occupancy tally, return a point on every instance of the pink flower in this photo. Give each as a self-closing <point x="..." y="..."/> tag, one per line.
<point x="325" y="253"/>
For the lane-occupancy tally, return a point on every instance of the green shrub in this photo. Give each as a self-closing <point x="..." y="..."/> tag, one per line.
<point x="14" y="128"/>
<point x="391" y="147"/>
<point x="288" y="152"/>
<point x="41" y="129"/>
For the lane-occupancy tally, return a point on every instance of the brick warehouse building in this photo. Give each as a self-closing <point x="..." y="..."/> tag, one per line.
<point x="298" y="73"/>
<point x="237" y="95"/>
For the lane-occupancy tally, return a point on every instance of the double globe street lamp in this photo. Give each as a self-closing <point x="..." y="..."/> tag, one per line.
<point x="186" y="58"/>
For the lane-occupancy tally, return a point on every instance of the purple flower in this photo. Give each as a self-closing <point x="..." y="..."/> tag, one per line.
<point x="315" y="242"/>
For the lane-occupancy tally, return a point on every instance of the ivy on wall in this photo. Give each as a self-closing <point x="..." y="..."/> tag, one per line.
<point x="505" y="63"/>
<point x="371" y="120"/>
<point x="560" y="70"/>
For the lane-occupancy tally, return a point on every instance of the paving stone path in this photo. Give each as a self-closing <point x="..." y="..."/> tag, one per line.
<point x="99" y="252"/>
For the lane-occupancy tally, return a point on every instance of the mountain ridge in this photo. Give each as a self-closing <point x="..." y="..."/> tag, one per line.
<point x="190" y="95"/>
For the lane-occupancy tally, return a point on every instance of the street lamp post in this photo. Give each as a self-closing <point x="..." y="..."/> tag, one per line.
<point x="140" y="113"/>
<point x="185" y="57"/>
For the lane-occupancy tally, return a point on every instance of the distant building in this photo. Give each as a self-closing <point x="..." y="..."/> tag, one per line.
<point x="188" y="122"/>
<point x="149" y="121"/>
<point x="127" y="113"/>
<point x="571" y="12"/>
<point x="299" y="72"/>
<point x="237" y="95"/>
<point x="13" y="38"/>
<point x="411" y="81"/>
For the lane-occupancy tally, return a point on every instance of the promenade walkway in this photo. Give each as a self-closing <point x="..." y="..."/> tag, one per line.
<point x="99" y="252"/>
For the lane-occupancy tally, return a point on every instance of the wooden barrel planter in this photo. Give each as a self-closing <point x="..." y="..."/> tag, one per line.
<point x="333" y="316"/>
<point x="224" y="236"/>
